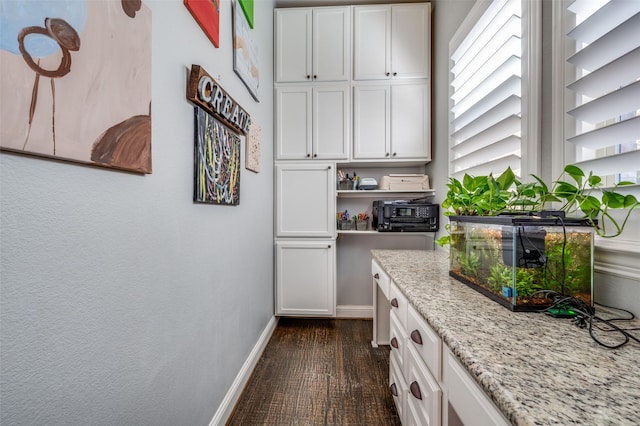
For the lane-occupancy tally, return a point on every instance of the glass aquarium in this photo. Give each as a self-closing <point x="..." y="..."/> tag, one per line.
<point x="520" y="261"/>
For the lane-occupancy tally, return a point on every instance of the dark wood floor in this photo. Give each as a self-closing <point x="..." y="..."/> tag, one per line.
<point x="319" y="372"/>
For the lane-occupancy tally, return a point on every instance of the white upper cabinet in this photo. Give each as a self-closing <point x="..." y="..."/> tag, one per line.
<point x="392" y="41"/>
<point x="313" y="122"/>
<point x="313" y="44"/>
<point x="391" y="121"/>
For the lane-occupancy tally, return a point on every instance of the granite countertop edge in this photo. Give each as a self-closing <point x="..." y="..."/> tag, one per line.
<point x="419" y="283"/>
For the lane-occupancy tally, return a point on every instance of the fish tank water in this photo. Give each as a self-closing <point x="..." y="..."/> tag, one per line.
<point x="518" y="260"/>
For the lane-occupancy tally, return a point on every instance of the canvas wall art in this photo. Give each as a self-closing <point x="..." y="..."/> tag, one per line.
<point x="207" y="15"/>
<point x="76" y="81"/>
<point x="252" y="150"/>
<point x="217" y="161"/>
<point x="247" y="8"/>
<point x="245" y="52"/>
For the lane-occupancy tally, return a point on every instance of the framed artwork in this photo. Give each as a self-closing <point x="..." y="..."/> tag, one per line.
<point x="247" y="8"/>
<point x="76" y="81"/>
<point x="217" y="161"/>
<point x="252" y="150"/>
<point x="207" y="15"/>
<point x="245" y="52"/>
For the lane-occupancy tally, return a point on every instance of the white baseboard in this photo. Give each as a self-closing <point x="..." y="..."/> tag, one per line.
<point x="231" y="398"/>
<point x="354" y="311"/>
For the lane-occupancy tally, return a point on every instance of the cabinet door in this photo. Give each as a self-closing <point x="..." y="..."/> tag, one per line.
<point x="410" y="40"/>
<point x="305" y="200"/>
<point x="293" y="45"/>
<point x="293" y="123"/>
<point x="371" y="122"/>
<point x="331" y="122"/>
<point x="305" y="278"/>
<point x="372" y="45"/>
<point x="331" y="53"/>
<point x="410" y="121"/>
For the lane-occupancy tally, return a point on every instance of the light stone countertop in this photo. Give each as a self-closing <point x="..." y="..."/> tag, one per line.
<point x="538" y="370"/>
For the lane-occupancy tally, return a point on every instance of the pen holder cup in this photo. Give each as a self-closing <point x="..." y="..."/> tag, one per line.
<point x="345" y="184"/>
<point x="345" y="225"/>
<point x="362" y="225"/>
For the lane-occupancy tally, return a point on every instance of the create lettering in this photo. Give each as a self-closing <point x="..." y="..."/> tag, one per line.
<point x="221" y="104"/>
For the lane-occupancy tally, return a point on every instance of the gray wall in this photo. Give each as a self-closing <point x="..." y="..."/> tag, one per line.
<point x="122" y="301"/>
<point x="447" y="17"/>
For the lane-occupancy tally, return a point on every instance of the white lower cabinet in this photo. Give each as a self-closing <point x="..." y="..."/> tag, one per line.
<point x="428" y="384"/>
<point x="466" y="398"/>
<point x="305" y="278"/>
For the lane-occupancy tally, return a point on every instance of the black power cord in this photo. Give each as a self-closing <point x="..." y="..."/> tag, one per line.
<point x="584" y="315"/>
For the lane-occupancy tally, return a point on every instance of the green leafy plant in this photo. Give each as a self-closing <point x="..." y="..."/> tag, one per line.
<point x="574" y="190"/>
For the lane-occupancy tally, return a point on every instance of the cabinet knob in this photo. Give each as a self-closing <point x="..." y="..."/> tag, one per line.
<point x="308" y="155"/>
<point x="394" y="154"/>
<point x="394" y="343"/>
<point x="376" y="276"/>
<point x="386" y="154"/>
<point x="394" y="302"/>
<point x="315" y="155"/>
<point x="416" y="337"/>
<point x="329" y="246"/>
<point x="329" y="168"/>
<point x="395" y="73"/>
<point x="308" y="77"/>
<point x="394" y="389"/>
<point x="415" y="390"/>
<point x="315" y="76"/>
<point x="387" y="74"/>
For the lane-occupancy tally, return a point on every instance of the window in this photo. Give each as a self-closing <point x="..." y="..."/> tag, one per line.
<point x="600" y="58"/>
<point x="494" y="84"/>
<point x="603" y="84"/>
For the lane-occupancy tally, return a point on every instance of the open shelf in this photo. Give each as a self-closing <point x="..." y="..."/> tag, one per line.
<point x="342" y="193"/>
<point x="389" y="234"/>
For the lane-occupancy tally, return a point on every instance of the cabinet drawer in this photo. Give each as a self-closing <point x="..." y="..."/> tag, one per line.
<point x="380" y="277"/>
<point x="426" y="342"/>
<point x="425" y="396"/>
<point x="466" y="397"/>
<point x="399" y="304"/>
<point x="398" y="387"/>
<point x="398" y="341"/>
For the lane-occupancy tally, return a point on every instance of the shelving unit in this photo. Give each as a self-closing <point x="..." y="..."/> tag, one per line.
<point x="383" y="193"/>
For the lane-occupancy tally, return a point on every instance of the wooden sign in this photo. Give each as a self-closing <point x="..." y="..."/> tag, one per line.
<point x="205" y="92"/>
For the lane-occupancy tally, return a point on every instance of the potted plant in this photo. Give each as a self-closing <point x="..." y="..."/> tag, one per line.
<point x="507" y="243"/>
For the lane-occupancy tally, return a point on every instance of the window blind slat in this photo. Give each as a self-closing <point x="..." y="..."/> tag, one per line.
<point x="604" y="20"/>
<point x="507" y="127"/>
<point x="503" y="42"/>
<point x="511" y="67"/>
<point x="496" y="167"/>
<point x="509" y="107"/>
<point x="504" y="63"/>
<point x="497" y="149"/>
<point x="493" y="18"/>
<point x="610" y="46"/>
<point x="612" y="164"/>
<point x="614" y="104"/>
<point x="511" y="87"/>
<point x="620" y="132"/>
<point x="620" y="72"/>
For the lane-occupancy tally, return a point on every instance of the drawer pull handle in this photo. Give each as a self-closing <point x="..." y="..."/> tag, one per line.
<point x="416" y="337"/>
<point x="394" y="389"/>
<point x="394" y="343"/>
<point x="415" y="390"/>
<point x="394" y="302"/>
<point x="376" y="276"/>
